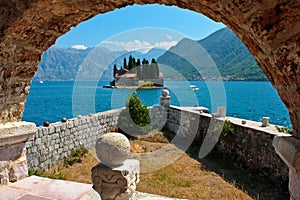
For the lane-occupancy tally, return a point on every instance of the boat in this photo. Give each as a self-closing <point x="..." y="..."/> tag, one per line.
<point x="193" y="87"/>
<point x="41" y="82"/>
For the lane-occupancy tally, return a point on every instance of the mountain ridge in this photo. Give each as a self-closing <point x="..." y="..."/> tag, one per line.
<point x="231" y="57"/>
<point x="221" y="55"/>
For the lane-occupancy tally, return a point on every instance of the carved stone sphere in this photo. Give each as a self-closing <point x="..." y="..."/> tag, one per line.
<point x="113" y="148"/>
<point x="165" y="93"/>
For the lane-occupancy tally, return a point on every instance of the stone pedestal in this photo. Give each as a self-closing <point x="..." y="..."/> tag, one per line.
<point x="265" y="121"/>
<point x="288" y="148"/>
<point x="165" y="98"/>
<point x="165" y="101"/>
<point x="13" y="137"/>
<point x="116" y="183"/>
<point x="221" y="111"/>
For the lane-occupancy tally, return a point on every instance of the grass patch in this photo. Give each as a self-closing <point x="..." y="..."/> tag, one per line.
<point x="284" y="129"/>
<point x="76" y="156"/>
<point x="54" y="173"/>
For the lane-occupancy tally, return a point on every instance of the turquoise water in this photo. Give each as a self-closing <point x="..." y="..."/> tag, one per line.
<point x="249" y="100"/>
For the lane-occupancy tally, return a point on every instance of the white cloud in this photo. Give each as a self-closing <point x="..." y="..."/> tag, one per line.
<point x="169" y="36"/>
<point x="137" y="45"/>
<point x="79" y="47"/>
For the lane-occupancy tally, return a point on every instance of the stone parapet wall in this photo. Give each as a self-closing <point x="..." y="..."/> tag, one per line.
<point x="51" y="145"/>
<point x="250" y="147"/>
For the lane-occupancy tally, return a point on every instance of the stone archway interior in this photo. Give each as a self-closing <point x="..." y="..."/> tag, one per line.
<point x="270" y="29"/>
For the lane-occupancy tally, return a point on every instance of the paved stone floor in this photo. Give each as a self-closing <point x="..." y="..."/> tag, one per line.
<point x="38" y="188"/>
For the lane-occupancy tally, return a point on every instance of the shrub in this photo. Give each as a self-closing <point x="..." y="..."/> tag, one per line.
<point x="228" y="129"/>
<point x="76" y="155"/>
<point x="139" y="113"/>
<point x="284" y="130"/>
<point x="135" y="119"/>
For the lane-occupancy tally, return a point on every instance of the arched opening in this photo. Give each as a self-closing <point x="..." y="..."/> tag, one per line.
<point x="270" y="30"/>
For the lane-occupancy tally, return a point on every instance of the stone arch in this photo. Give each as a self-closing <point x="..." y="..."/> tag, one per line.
<point x="269" y="28"/>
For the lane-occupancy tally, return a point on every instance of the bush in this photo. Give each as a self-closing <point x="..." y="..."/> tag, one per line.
<point x="139" y="113"/>
<point x="228" y="129"/>
<point x="76" y="156"/>
<point x="135" y="119"/>
<point x="284" y="130"/>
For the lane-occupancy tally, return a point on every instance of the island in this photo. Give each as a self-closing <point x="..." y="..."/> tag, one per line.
<point x="137" y="74"/>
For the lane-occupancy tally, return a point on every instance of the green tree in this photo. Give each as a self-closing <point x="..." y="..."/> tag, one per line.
<point x="138" y="62"/>
<point x="125" y="64"/>
<point x="144" y="61"/>
<point x="135" y="119"/>
<point x="139" y="113"/>
<point x="115" y="70"/>
<point x="130" y="64"/>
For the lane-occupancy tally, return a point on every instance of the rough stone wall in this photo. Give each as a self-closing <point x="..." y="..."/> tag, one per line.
<point x="250" y="147"/>
<point x="51" y="145"/>
<point x="269" y="28"/>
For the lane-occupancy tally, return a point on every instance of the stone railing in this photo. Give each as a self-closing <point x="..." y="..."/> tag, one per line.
<point x="250" y="146"/>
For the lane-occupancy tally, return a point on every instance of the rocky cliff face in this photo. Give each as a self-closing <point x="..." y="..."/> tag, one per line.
<point x="270" y="29"/>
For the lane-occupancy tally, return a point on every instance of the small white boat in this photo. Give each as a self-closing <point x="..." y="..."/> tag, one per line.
<point x="193" y="87"/>
<point x="41" y="82"/>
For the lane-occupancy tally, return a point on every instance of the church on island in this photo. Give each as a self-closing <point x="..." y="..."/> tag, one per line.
<point x="135" y="73"/>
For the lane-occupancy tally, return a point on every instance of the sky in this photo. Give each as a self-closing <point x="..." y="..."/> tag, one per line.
<point x="147" y="25"/>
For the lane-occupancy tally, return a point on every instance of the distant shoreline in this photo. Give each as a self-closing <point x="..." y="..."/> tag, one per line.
<point x="254" y="80"/>
<point x="134" y="87"/>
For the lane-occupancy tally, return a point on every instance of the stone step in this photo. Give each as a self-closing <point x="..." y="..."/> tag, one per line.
<point x="39" y="188"/>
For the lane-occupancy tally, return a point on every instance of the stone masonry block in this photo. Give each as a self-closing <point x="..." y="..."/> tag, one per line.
<point x="118" y="183"/>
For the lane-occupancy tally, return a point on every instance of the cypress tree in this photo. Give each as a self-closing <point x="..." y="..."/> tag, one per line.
<point x="130" y="66"/>
<point x="115" y="70"/>
<point x="125" y="64"/>
<point x="138" y="62"/>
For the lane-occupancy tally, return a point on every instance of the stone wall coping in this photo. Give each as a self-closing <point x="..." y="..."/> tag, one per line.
<point x="270" y="130"/>
<point x="191" y="109"/>
<point x="85" y="117"/>
<point x="16" y="132"/>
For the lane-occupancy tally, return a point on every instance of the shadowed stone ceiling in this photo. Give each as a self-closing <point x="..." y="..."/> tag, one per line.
<point x="269" y="28"/>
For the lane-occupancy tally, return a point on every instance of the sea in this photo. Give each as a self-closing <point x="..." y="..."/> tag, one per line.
<point x="53" y="100"/>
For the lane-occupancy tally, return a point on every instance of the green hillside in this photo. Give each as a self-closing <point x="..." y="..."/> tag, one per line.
<point x="232" y="58"/>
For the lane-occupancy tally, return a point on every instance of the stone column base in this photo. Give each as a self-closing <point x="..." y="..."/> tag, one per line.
<point x="288" y="148"/>
<point x="116" y="183"/>
<point x="13" y="137"/>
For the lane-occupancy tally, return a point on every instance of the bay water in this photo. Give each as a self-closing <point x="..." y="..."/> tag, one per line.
<point x="51" y="101"/>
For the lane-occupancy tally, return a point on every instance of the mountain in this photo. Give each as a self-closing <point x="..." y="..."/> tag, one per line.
<point x="221" y="52"/>
<point x="60" y="64"/>
<point x="154" y="53"/>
